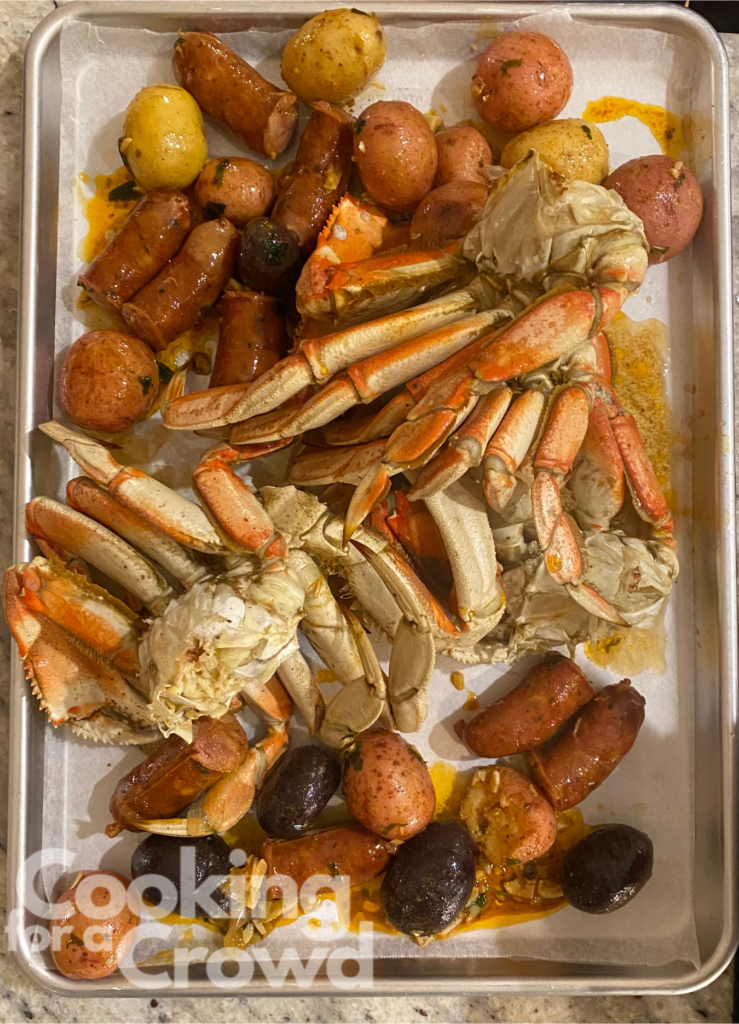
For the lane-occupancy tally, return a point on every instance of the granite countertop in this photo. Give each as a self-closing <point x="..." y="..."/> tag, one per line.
<point x="21" y="1000"/>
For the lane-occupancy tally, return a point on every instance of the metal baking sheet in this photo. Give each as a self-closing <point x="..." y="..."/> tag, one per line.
<point x="707" y="369"/>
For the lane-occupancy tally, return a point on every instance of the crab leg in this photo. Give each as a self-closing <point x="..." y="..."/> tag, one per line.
<point x="87" y="539"/>
<point x="597" y="483"/>
<point x="182" y="519"/>
<point x="381" y="284"/>
<point x="465" y="529"/>
<point x="466" y="446"/>
<point x="302" y="518"/>
<point x="546" y="333"/>
<point x="316" y="360"/>
<point x="228" y="800"/>
<point x="236" y="509"/>
<point x="78" y="606"/>
<point x="296" y="676"/>
<point x="648" y="497"/>
<point x="366" y="380"/>
<point x="324" y="623"/>
<point x="559" y="445"/>
<point x="92" y="500"/>
<point x="508" y="446"/>
<point x="73" y="683"/>
<point x="359" y="704"/>
<point x="326" y="466"/>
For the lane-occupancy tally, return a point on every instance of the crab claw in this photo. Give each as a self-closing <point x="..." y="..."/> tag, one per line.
<point x="73" y="683"/>
<point x="373" y="488"/>
<point x="359" y="704"/>
<point x="228" y="800"/>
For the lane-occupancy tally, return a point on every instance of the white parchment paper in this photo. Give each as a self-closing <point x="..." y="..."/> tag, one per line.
<point x="429" y="66"/>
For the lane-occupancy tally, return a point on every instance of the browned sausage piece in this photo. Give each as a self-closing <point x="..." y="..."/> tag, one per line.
<point x="251" y="338"/>
<point x="351" y="850"/>
<point x="589" y="749"/>
<point x="231" y="91"/>
<point x="177" y="773"/>
<point x="190" y="283"/>
<point x="319" y="175"/>
<point x="151" y="235"/>
<point x="549" y="694"/>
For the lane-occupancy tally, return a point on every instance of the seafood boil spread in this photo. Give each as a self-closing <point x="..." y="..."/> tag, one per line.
<point x="414" y="327"/>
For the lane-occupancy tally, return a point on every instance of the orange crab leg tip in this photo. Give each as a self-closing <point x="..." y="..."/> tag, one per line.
<point x="370" y="491"/>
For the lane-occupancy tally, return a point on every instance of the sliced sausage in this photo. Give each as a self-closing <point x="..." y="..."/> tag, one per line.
<point x="233" y="92"/>
<point x="151" y="235"/>
<point x="590" y="748"/>
<point x="190" y="283"/>
<point x="251" y="338"/>
<point x="350" y="850"/>
<point x="177" y="773"/>
<point x="549" y="694"/>
<point x="319" y="175"/>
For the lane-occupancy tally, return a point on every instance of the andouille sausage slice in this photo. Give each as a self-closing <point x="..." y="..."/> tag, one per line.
<point x="319" y="174"/>
<point x="549" y="694"/>
<point x="177" y="773"/>
<point x="233" y="92"/>
<point x="351" y="850"/>
<point x="151" y="235"/>
<point x="590" y="748"/>
<point x="252" y="337"/>
<point x="189" y="283"/>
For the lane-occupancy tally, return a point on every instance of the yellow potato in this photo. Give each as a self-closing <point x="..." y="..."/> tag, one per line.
<point x="163" y="143"/>
<point x="334" y="55"/>
<point x="570" y="146"/>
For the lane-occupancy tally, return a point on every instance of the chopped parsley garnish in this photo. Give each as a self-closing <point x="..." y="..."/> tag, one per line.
<point x="145" y="383"/>
<point x="506" y="64"/>
<point x="359" y="125"/>
<point x="274" y="251"/>
<point x="586" y="129"/>
<point x="214" y="209"/>
<point x="218" y="176"/>
<point x="481" y="900"/>
<point x="165" y="374"/>
<point x="123" y="193"/>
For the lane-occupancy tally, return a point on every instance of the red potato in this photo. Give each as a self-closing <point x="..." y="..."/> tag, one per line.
<point x="187" y="286"/>
<point x="447" y="213"/>
<point x="235" y="188"/>
<point x="387" y="785"/>
<point x="667" y="198"/>
<point x="509" y="818"/>
<point x="76" y="934"/>
<point x="151" y="235"/>
<point x="591" y="746"/>
<point x="233" y="92"/>
<point x="177" y="772"/>
<point x="463" y="154"/>
<point x="251" y="338"/>
<point x="350" y="850"/>
<point x="522" y="78"/>
<point x="395" y="152"/>
<point x="532" y="712"/>
<point x="108" y="381"/>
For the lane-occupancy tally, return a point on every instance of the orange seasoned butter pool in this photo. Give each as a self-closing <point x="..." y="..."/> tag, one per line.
<point x="667" y="128"/>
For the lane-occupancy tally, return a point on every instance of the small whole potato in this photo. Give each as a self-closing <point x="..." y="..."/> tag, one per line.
<point x="463" y="154"/>
<point x="108" y="381"/>
<point x="235" y="188"/>
<point x="509" y="817"/>
<point x="572" y="147"/>
<point x="387" y="785"/>
<point x="395" y="151"/>
<point x="86" y="941"/>
<point x="163" y="143"/>
<point x="667" y="198"/>
<point x="334" y="55"/>
<point x="522" y="79"/>
<point x="446" y="213"/>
